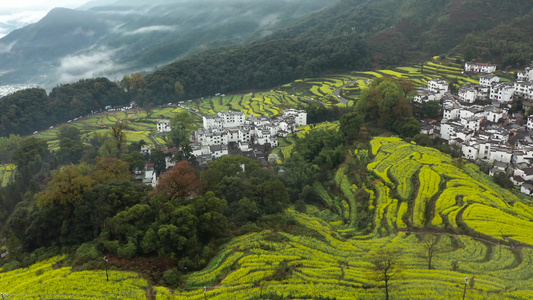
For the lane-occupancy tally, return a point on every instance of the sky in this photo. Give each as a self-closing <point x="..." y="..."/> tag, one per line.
<point x="18" y="13"/>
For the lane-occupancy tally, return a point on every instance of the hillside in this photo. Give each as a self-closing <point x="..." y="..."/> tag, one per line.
<point x="118" y="38"/>
<point x="319" y="254"/>
<point x="355" y="34"/>
<point x="399" y="31"/>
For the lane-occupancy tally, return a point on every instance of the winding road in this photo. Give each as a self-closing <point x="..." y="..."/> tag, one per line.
<point x="337" y="92"/>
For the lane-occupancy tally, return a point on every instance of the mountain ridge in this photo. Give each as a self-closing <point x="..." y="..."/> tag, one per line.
<point x="122" y="38"/>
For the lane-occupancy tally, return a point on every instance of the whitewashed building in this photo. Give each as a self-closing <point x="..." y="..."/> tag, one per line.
<point x="530" y="122"/>
<point x="232" y="127"/>
<point x="480" y="67"/>
<point x="502" y="92"/>
<point x="222" y="120"/>
<point x="502" y="153"/>
<point x="468" y="94"/>
<point x="488" y="80"/>
<point x="524" y="89"/>
<point x="494" y="114"/>
<point x="163" y="126"/>
<point x="525" y="75"/>
<point x="300" y="116"/>
<point x="438" y="85"/>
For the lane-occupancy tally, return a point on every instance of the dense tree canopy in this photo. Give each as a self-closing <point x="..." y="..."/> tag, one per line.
<point x="31" y="110"/>
<point x="384" y="104"/>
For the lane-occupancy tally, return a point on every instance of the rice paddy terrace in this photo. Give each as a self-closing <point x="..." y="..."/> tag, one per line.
<point x="483" y="232"/>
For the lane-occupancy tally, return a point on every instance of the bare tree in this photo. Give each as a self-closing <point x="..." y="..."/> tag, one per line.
<point x="386" y="266"/>
<point x="432" y="247"/>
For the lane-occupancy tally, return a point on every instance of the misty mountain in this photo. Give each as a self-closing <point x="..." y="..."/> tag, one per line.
<point x="129" y="36"/>
<point x="355" y="34"/>
<point x="411" y="30"/>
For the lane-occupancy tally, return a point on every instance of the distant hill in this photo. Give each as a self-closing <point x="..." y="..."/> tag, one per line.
<point x="124" y="36"/>
<point x="356" y="34"/>
<point x="405" y="30"/>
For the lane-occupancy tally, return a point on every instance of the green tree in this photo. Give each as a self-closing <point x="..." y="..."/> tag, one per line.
<point x="423" y="140"/>
<point x="182" y="125"/>
<point x="114" y="142"/>
<point x="108" y="168"/>
<point x="502" y="180"/>
<point x="70" y="151"/>
<point x="32" y="160"/>
<point x="67" y="187"/>
<point x="350" y="124"/>
<point x="210" y="213"/>
<point x="431" y="247"/>
<point x="68" y="132"/>
<point x="178" y="89"/>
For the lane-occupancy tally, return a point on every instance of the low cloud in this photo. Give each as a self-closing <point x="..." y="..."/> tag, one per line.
<point x="149" y="29"/>
<point x="96" y="63"/>
<point x="5" y="48"/>
<point x="269" y="20"/>
<point x="10" y="21"/>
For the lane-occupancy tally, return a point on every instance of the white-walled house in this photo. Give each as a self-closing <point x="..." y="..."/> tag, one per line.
<point x="525" y="75"/>
<point x="470" y="150"/>
<point x="502" y="92"/>
<point x="449" y="129"/>
<point x="232" y="127"/>
<point x="438" y="85"/>
<point x="451" y="109"/>
<point x="525" y="173"/>
<point x="300" y="116"/>
<point x="488" y="80"/>
<point x="473" y="123"/>
<point x="163" y="126"/>
<point x="468" y="94"/>
<point x="524" y="89"/>
<point x="502" y="153"/>
<point x="527" y="188"/>
<point x="480" y="67"/>
<point x="498" y="167"/>
<point x="494" y="114"/>
<point x="530" y="122"/>
<point x="225" y="119"/>
<point x="217" y="151"/>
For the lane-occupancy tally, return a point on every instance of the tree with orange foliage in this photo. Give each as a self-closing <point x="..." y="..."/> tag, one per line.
<point x="179" y="183"/>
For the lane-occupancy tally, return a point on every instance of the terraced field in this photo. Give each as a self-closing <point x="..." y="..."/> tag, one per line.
<point x="412" y="195"/>
<point x="454" y="197"/>
<point x="329" y="267"/>
<point x="139" y="126"/>
<point x="44" y="281"/>
<point x="421" y="75"/>
<point x="477" y="226"/>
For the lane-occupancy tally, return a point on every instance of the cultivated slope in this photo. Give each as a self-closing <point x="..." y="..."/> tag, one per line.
<point x="419" y="193"/>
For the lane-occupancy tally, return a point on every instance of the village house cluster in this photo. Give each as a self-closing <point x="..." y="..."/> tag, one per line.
<point x="231" y="129"/>
<point x="487" y="132"/>
<point x="228" y="133"/>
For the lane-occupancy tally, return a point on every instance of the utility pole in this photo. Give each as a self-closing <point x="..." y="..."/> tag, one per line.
<point x="105" y="263"/>
<point x="466" y="284"/>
